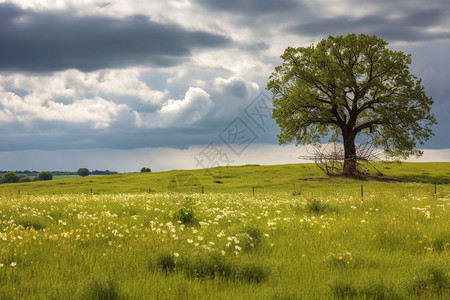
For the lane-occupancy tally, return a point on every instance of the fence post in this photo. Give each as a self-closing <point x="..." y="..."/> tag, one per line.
<point x="435" y="189"/>
<point x="362" y="193"/>
<point x="203" y="189"/>
<point x="253" y="191"/>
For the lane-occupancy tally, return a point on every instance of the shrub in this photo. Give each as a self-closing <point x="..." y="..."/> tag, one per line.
<point x="315" y="206"/>
<point x="10" y="177"/>
<point x="251" y="238"/>
<point x="186" y="215"/>
<point x="25" y="179"/>
<point x="44" y="175"/>
<point x="165" y="262"/>
<point x="208" y="265"/>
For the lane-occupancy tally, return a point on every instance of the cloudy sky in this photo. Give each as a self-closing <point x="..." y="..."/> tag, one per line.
<point x="120" y="85"/>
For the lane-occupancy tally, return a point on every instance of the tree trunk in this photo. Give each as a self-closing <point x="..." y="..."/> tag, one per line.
<point x="349" y="154"/>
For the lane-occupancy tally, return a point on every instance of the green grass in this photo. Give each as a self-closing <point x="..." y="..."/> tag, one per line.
<point x="243" y="179"/>
<point x="59" y="241"/>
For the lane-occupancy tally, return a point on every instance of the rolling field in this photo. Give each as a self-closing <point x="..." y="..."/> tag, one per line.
<point x="256" y="232"/>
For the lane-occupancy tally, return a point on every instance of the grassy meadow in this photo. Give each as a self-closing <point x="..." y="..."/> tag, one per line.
<point x="250" y="232"/>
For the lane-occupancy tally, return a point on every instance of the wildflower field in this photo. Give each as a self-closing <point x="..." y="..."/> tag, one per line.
<point x="324" y="240"/>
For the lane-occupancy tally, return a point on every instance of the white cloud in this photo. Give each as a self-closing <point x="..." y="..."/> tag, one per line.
<point x="432" y="155"/>
<point x="192" y="108"/>
<point x="76" y="84"/>
<point x="98" y="111"/>
<point x="72" y="96"/>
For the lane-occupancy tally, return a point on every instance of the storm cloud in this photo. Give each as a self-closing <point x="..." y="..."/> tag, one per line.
<point x="411" y="26"/>
<point x="252" y="7"/>
<point x="46" y="41"/>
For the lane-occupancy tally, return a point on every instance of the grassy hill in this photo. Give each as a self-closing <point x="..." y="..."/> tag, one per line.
<point x="301" y="236"/>
<point x="288" y="178"/>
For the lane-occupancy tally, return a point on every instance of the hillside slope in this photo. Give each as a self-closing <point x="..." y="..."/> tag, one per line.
<point x="289" y="178"/>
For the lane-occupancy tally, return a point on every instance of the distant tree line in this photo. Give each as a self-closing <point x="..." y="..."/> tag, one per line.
<point x="28" y="176"/>
<point x="59" y="173"/>
<point x="11" y="177"/>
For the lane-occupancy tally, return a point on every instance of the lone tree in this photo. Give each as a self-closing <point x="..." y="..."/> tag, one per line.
<point x="346" y="86"/>
<point x="145" y="170"/>
<point x="83" y="172"/>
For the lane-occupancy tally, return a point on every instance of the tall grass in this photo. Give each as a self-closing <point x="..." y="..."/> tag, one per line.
<point x="324" y="243"/>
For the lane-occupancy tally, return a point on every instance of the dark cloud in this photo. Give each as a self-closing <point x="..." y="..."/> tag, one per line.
<point x="52" y="41"/>
<point x="411" y="26"/>
<point x="251" y="7"/>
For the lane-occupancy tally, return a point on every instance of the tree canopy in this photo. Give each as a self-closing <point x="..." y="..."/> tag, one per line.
<point x="145" y="170"/>
<point x="10" y="177"/>
<point x="44" y="175"/>
<point x="347" y="86"/>
<point x="83" y="172"/>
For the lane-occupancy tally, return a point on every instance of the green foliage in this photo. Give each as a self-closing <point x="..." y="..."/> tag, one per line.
<point x="252" y="237"/>
<point x="146" y="170"/>
<point x="83" y="172"/>
<point x="10" y="177"/>
<point x="165" y="262"/>
<point x="347" y="86"/>
<point x="25" y="179"/>
<point x="44" y="175"/>
<point x="208" y="266"/>
<point x="185" y="215"/>
<point x="315" y="206"/>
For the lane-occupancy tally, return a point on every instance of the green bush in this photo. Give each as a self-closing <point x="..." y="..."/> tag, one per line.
<point x="44" y="175"/>
<point x="315" y="206"/>
<point x="185" y="215"/>
<point x="10" y="177"/>
<point x="208" y="265"/>
<point x="251" y="238"/>
<point x="25" y="179"/>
